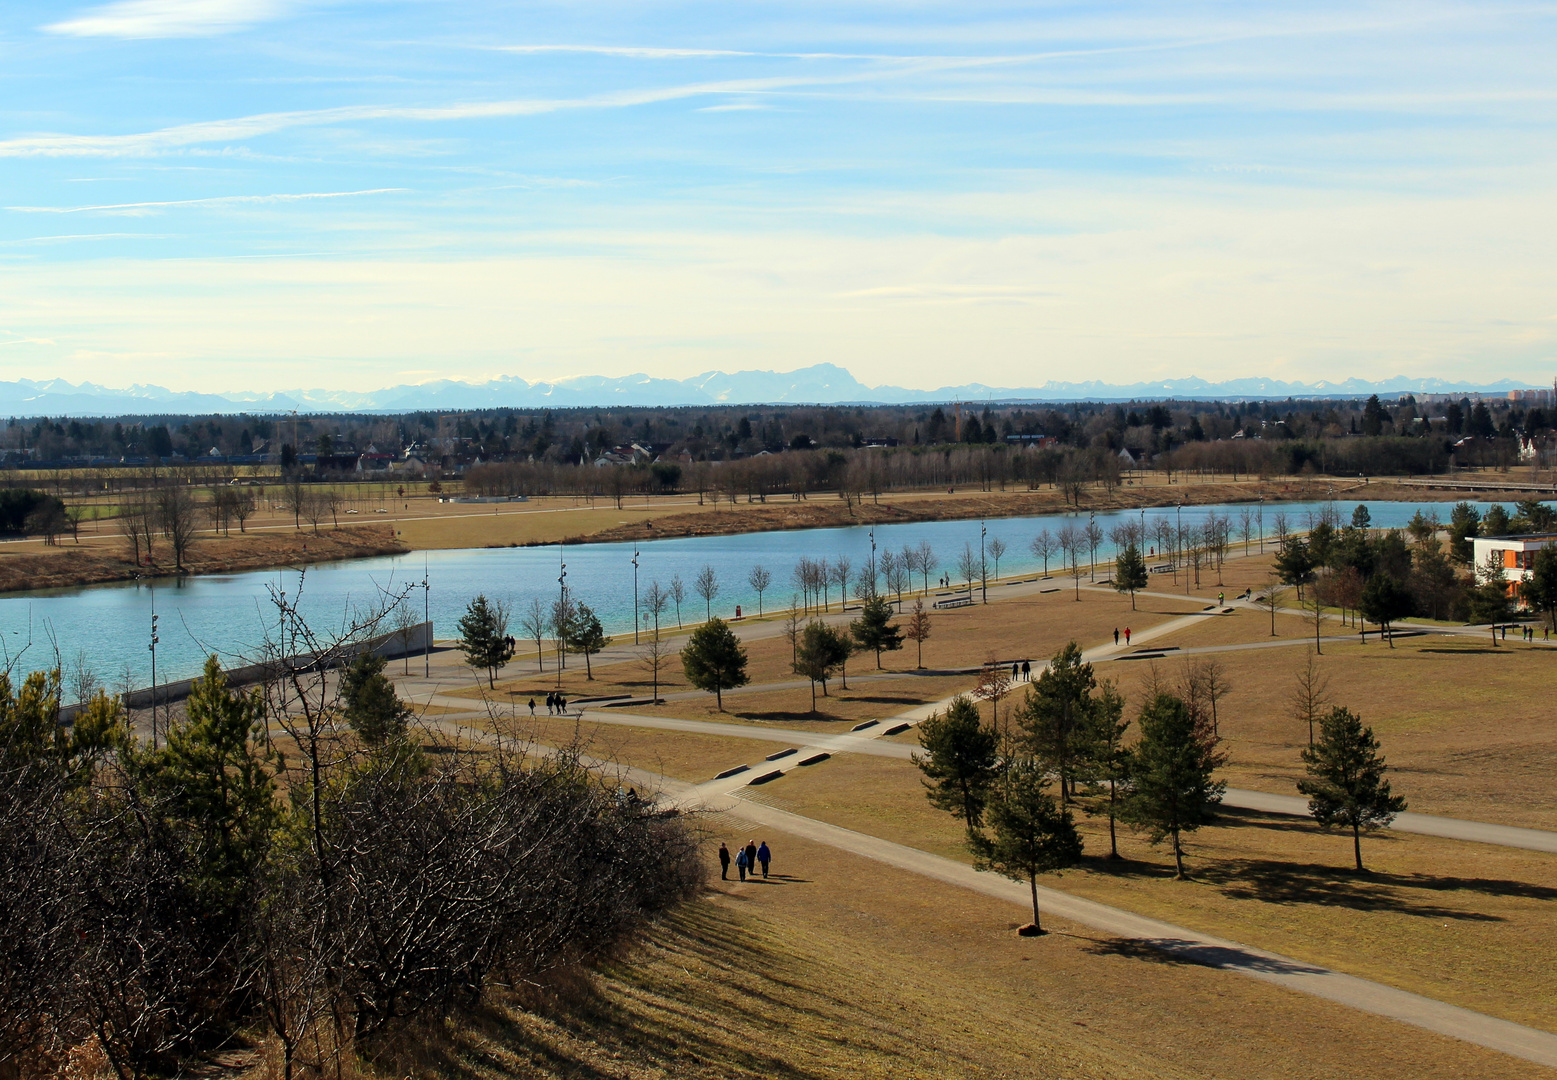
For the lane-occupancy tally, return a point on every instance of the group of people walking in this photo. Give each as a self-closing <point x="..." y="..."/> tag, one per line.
<point x="1126" y="635"/>
<point x="1022" y="672"/>
<point x="747" y="859"/>
<point x="556" y="704"/>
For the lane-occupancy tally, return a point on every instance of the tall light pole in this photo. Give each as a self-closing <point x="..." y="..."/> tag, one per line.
<point x="427" y="618"/>
<point x="872" y="562"/>
<point x="562" y="605"/>
<point x="635" y="594"/>
<point x="153" y="648"/>
<point x="983" y="567"/>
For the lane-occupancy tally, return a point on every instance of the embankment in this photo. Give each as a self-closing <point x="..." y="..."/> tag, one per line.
<point x="70" y="565"/>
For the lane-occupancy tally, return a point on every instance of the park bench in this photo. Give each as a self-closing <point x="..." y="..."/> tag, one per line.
<point x="955" y="601"/>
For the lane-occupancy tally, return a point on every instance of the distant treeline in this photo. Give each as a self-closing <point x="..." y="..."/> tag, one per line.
<point x="571" y="436"/>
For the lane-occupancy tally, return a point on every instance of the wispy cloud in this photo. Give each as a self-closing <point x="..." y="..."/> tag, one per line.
<point x="170" y="18"/>
<point x="219" y="200"/>
<point x="634" y="51"/>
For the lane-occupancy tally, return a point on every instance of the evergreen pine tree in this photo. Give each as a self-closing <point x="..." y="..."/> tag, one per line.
<point x="1172" y="791"/>
<point x="875" y="630"/>
<point x="714" y="660"/>
<point x="1055" y="716"/>
<point x="960" y="761"/>
<point x="1028" y="832"/>
<point x="1346" y="785"/>
<point x="820" y="651"/>
<point x="1130" y="572"/>
<point x="588" y="636"/>
<point x="484" y="637"/>
<point x="213" y="783"/>
<point x="369" y="702"/>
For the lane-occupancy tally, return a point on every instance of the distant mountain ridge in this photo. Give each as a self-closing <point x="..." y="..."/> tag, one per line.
<point x="819" y="384"/>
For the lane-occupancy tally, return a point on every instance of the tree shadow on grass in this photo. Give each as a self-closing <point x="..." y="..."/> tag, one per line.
<point x="1203" y="954"/>
<point x="1293" y="882"/>
<point x="786" y="716"/>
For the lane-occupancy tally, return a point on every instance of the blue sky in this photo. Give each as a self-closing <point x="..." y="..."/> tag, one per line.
<point x="266" y="194"/>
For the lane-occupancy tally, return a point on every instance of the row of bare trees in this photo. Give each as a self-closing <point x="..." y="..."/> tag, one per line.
<point x="853" y="474"/>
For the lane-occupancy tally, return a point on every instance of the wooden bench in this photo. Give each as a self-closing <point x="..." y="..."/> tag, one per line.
<point x="956" y="601"/>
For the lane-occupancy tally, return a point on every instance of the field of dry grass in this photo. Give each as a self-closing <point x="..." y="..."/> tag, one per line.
<point x="846" y="968"/>
<point x="1457" y="922"/>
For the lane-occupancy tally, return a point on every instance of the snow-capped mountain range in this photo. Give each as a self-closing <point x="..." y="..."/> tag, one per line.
<point x="820" y="384"/>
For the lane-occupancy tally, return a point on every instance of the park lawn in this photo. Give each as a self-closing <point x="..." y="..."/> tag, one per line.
<point x="679" y="755"/>
<point x="847" y="969"/>
<point x="1463" y="923"/>
<point x="474" y="525"/>
<point x="866" y="699"/>
<point x="1463" y="725"/>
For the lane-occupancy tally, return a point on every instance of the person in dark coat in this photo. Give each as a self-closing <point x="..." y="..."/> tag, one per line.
<point x="724" y="862"/>
<point x="532" y="706"/>
<point x="751" y="856"/>
<point x="764" y="856"/>
<point x="551" y="702"/>
<point x="1027" y="671"/>
<point x="741" y="864"/>
<point x="562" y="705"/>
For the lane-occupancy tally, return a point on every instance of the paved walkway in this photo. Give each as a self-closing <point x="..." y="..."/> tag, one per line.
<point x="1191" y="946"/>
<point x="1365" y="995"/>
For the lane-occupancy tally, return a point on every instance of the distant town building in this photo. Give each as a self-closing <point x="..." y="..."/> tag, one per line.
<point x="1515" y="554"/>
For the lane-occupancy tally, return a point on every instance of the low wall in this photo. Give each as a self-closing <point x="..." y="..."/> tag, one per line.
<point x="390" y="646"/>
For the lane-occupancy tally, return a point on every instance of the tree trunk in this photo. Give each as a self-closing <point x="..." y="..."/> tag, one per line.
<point x="1178" y="857"/>
<point x="1032" y="880"/>
<point x="1357" y="845"/>
<point x="1113" y="840"/>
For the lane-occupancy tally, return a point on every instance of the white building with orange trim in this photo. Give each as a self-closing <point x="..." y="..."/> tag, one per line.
<point x="1516" y="554"/>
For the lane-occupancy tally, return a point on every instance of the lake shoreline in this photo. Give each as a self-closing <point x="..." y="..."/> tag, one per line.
<point x="828" y="510"/>
<point x="72" y="566"/>
<point x="69" y="566"/>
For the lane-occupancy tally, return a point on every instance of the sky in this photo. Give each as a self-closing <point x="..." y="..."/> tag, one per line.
<point x="270" y="194"/>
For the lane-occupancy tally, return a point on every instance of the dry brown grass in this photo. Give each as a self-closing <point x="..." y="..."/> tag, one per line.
<point x="37" y="567"/>
<point x="846" y="968"/>
<point x="1462" y="923"/>
<point x="680" y="755"/>
<point x="1465" y="727"/>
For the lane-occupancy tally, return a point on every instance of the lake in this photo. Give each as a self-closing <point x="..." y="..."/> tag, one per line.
<point x="230" y="614"/>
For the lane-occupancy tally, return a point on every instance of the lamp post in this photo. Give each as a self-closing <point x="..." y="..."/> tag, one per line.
<point x="562" y="604"/>
<point x="427" y="619"/>
<point x="635" y="594"/>
<point x="983" y="570"/>
<point x="153" y="648"/>
<point x="872" y="562"/>
<point x="1091" y="539"/>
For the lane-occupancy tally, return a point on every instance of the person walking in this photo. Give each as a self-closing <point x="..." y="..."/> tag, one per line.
<point x="751" y="856"/>
<point x="1016" y="671"/>
<point x="741" y="863"/>
<point x="764" y="856"/>
<point x="1127" y="637"/>
<point x="1116" y="635"/>
<point x="551" y="703"/>
<point x="532" y="707"/>
<point x="724" y="862"/>
<point x="1221" y="598"/>
<point x="1027" y="671"/>
<point x="562" y="705"/>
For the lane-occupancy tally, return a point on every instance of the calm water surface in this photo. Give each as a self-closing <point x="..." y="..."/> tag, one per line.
<point x="230" y="614"/>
